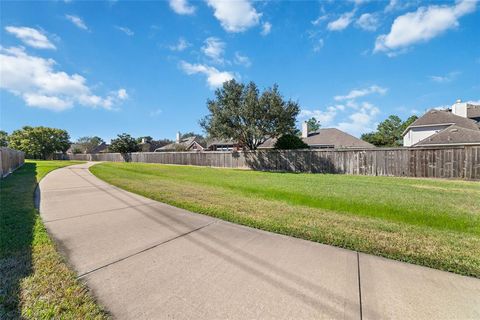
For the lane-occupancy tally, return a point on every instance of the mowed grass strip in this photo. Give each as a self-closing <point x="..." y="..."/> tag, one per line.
<point x="435" y="223"/>
<point x="35" y="282"/>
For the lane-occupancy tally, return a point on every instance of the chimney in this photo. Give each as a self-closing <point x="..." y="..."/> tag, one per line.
<point x="459" y="108"/>
<point x="304" y="129"/>
<point x="178" y="137"/>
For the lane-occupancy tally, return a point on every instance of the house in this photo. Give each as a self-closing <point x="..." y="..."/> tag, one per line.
<point x="326" y="138"/>
<point x="223" y="145"/>
<point x="456" y="125"/>
<point x="185" y="144"/>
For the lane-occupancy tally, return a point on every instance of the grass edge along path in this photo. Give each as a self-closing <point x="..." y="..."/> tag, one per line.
<point x="36" y="282"/>
<point x="436" y="246"/>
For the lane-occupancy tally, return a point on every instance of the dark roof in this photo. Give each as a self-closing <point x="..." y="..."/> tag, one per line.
<point x="335" y="137"/>
<point x="100" y="148"/>
<point x="439" y="117"/>
<point x="268" y="144"/>
<point x="454" y="134"/>
<point x="473" y="111"/>
<point x="326" y="137"/>
<point x="223" y="142"/>
<point x="185" y="143"/>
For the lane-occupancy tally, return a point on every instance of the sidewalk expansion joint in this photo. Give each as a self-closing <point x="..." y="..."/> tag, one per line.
<point x="359" y="286"/>
<point x="144" y="250"/>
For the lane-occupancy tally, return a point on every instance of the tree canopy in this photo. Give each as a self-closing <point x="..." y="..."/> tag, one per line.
<point x="87" y="144"/>
<point x="39" y="142"/>
<point x="313" y="124"/>
<point x="124" y="143"/>
<point x="3" y="138"/>
<point x="241" y="113"/>
<point x="389" y="132"/>
<point x="290" y="141"/>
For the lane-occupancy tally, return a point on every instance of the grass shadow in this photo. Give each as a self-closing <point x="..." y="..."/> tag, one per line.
<point x="17" y="222"/>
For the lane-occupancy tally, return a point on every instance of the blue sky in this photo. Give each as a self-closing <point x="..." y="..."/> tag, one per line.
<point x="147" y="68"/>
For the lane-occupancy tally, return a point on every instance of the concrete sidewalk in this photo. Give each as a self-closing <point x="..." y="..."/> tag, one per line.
<point x="145" y="259"/>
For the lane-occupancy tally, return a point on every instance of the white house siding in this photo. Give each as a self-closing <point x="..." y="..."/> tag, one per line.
<point x="417" y="134"/>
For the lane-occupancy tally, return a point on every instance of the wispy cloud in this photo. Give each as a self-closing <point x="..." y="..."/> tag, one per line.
<point x="181" y="45"/>
<point x="242" y="60"/>
<point x="266" y="28"/>
<point x="342" y="22"/>
<point x="31" y="37"/>
<point x="449" y="77"/>
<point x="125" y="30"/>
<point x="76" y="20"/>
<point x="214" y="48"/>
<point x="358" y="93"/>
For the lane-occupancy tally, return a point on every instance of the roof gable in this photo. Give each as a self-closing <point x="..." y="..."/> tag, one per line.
<point x="439" y="117"/>
<point x="454" y="134"/>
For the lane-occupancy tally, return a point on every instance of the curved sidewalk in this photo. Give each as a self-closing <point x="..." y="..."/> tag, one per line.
<point x="148" y="260"/>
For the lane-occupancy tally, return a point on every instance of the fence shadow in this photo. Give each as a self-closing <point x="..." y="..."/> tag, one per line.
<point x="17" y="222"/>
<point x="291" y="161"/>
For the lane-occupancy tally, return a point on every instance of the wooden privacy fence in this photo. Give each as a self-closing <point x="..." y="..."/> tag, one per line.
<point x="462" y="162"/>
<point x="10" y="160"/>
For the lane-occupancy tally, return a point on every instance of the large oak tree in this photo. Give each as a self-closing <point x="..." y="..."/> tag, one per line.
<point x="39" y="142"/>
<point x="241" y="113"/>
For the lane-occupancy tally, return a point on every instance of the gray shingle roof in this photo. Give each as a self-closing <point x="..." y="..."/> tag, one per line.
<point x="186" y="143"/>
<point x="434" y="117"/>
<point x="452" y="135"/>
<point x="327" y="137"/>
<point x="335" y="137"/>
<point x="473" y="111"/>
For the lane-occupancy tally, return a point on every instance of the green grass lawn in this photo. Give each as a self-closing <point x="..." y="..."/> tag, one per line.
<point x="35" y="282"/>
<point x="435" y="223"/>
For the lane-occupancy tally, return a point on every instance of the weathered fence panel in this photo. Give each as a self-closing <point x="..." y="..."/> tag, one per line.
<point x="461" y="162"/>
<point x="10" y="160"/>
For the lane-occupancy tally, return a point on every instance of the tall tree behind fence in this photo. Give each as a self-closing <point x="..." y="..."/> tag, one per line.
<point x="461" y="162"/>
<point x="10" y="160"/>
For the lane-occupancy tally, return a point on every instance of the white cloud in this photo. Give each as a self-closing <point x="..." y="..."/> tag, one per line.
<point x="31" y="37"/>
<point x="445" y="78"/>
<point x="266" y="28"/>
<point x="318" y="45"/>
<point x="182" y="7"/>
<point x="214" y="48"/>
<point x="368" y="22"/>
<point x="342" y="22"/>
<point x="39" y="85"/>
<point x="325" y="117"/>
<point x="422" y="25"/>
<point x="215" y="78"/>
<point x="392" y="5"/>
<point x="76" y="21"/>
<point x="235" y="16"/>
<point x="357" y="93"/>
<point x="242" y="60"/>
<point x="361" y="121"/>
<point x="181" y="45"/>
<point x="122" y="94"/>
<point x="125" y="30"/>
<point x="320" y="19"/>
